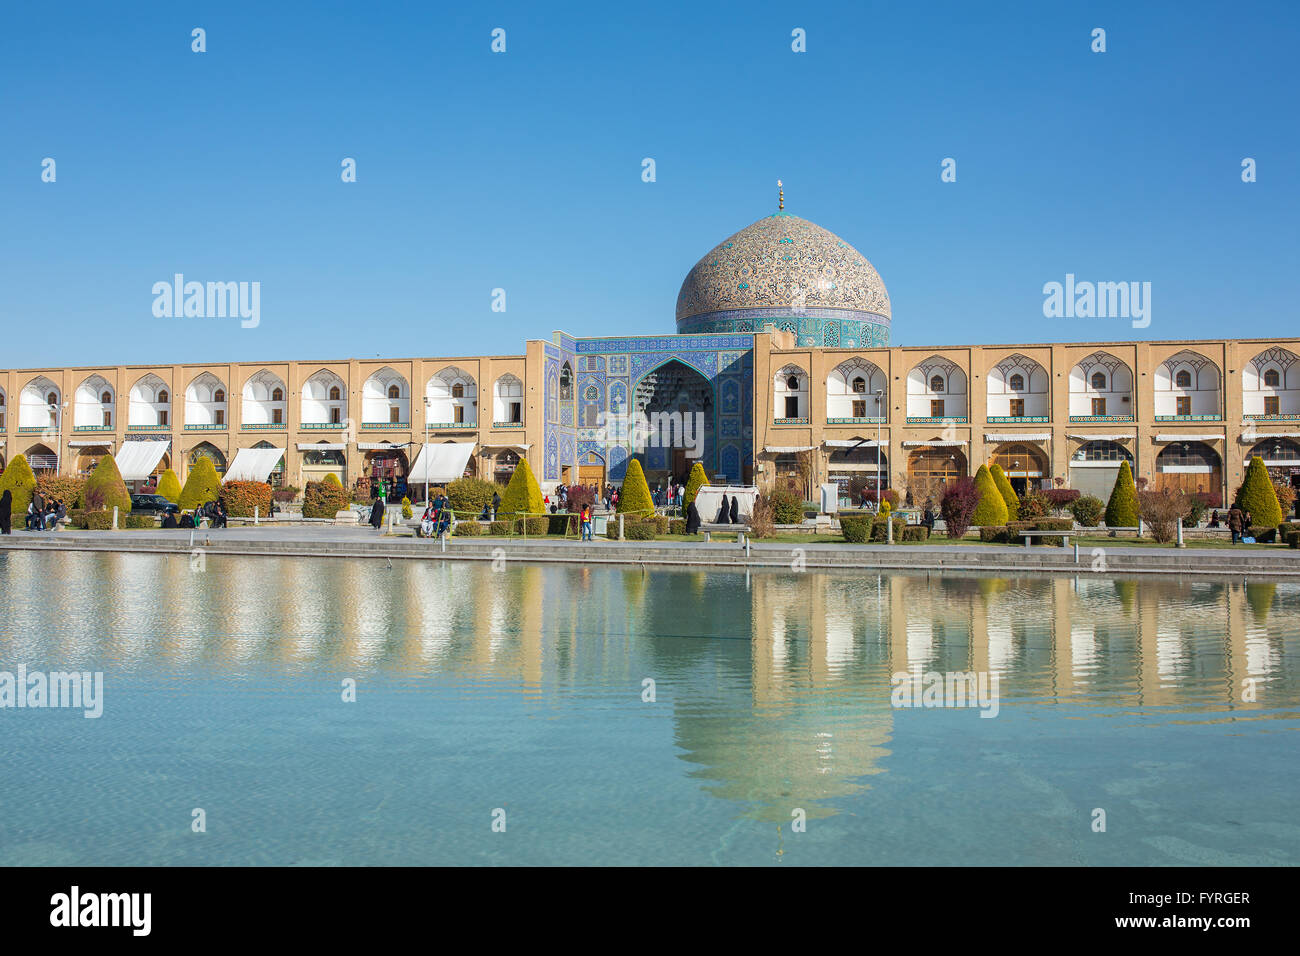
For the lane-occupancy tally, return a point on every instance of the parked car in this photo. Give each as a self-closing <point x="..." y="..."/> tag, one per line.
<point x="152" y="505"/>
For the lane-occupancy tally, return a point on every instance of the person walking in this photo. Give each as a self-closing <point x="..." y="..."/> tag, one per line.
<point x="6" y="511"/>
<point x="377" y="514"/>
<point x="1236" y="521"/>
<point x="692" y="519"/>
<point x="585" y="519"/>
<point x="735" y="509"/>
<point x="496" y="503"/>
<point x="927" y="516"/>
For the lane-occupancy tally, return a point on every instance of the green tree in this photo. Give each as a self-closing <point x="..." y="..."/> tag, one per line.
<point x="1122" y="509"/>
<point x="20" y="482"/>
<point x="201" y="485"/>
<point x="1004" y="488"/>
<point x="105" y="489"/>
<point x="522" y="494"/>
<point x="992" y="509"/>
<point x="169" y="486"/>
<point x="1257" y="496"/>
<point x="694" y="482"/>
<point x="634" y="496"/>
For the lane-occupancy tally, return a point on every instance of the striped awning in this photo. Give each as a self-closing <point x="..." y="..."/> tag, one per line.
<point x="935" y="444"/>
<point x="787" y="449"/>
<point x="850" y="443"/>
<point x="1030" y="436"/>
<point x="322" y="446"/>
<point x="1249" y="438"/>
<point x="1218" y="437"/>
<point x="380" y="445"/>
<point x="1116" y="436"/>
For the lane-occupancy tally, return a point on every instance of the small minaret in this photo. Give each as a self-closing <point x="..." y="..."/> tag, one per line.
<point x="780" y="202"/>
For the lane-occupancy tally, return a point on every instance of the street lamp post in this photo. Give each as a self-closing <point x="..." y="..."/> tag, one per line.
<point x="879" y="393"/>
<point x="424" y="451"/>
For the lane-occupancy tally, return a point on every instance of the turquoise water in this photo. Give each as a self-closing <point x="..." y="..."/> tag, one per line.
<point x="522" y="690"/>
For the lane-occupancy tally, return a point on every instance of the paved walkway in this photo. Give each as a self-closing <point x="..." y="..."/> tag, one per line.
<point x="363" y="542"/>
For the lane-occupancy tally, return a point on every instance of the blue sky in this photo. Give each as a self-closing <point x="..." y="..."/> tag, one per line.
<point x="522" y="170"/>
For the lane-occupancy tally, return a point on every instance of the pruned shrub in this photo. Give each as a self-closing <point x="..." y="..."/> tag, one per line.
<point x="522" y="495"/>
<point x="1293" y="539"/>
<point x="855" y="528"/>
<point x="105" y="488"/>
<point x="639" y="531"/>
<point x="991" y="535"/>
<point x="1258" y="496"/>
<point x="19" y="481"/>
<point x="1262" y="533"/>
<point x="694" y="481"/>
<point x="535" y="526"/>
<point x="500" y="528"/>
<point x="880" y="530"/>
<point x="468" y="529"/>
<point x="169" y="486"/>
<point x="634" y="495"/>
<point x="678" y="526"/>
<point x="1004" y="488"/>
<point x="916" y="532"/>
<point x="992" y="507"/>
<point x="787" y="507"/>
<point x="1122" y="509"/>
<point x="140" y="521"/>
<point x="324" y="499"/>
<point x="1059" y="499"/>
<point x="64" y="489"/>
<point x="469" y="496"/>
<point x="1053" y="524"/>
<point x="1087" y="511"/>
<point x="201" y="485"/>
<point x="98" y="520"/>
<point x="241" y="497"/>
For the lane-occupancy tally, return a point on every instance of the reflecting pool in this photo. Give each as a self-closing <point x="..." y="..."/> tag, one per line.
<point x="642" y="717"/>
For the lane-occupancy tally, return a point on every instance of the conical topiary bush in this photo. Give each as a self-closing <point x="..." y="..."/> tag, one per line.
<point x="169" y="486"/>
<point x="1257" y="496"/>
<point x="1004" y="488"/>
<point x="19" y="481"/>
<point x="992" y="509"/>
<point x="634" y="496"/>
<point x="201" y="485"/>
<point x="1122" y="509"/>
<point x="523" y="496"/>
<point x="105" y="489"/>
<point x="694" y="482"/>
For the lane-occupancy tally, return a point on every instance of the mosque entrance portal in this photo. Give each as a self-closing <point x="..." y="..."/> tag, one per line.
<point x="676" y="404"/>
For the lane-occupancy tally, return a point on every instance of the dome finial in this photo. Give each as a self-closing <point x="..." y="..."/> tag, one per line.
<point x="780" y="197"/>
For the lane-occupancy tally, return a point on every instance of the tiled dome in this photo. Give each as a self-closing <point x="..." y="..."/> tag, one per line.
<point x="787" y="272"/>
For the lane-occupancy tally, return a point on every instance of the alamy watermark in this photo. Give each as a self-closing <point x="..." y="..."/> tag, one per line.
<point x="1098" y="300"/>
<point x="653" y="430"/>
<point x="82" y="690"/>
<point x="213" y="300"/>
<point x="952" y="689"/>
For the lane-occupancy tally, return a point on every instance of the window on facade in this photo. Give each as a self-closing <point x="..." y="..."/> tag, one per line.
<point x="860" y="385"/>
<point x="104" y="399"/>
<point x="1272" y="379"/>
<point x="277" y="394"/>
<point x="1017" y="382"/>
<point x="219" y="395"/>
<point x="162" y="417"/>
<point x="936" y="408"/>
<point x="335" y="394"/>
<point x="162" y="398"/>
<point x="590" y="414"/>
<point x="936" y="383"/>
<point x="1017" y="408"/>
<point x="394" y="391"/>
<point x="859" y="408"/>
<point x="458" y="414"/>
<point x="51" y="399"/>
<point x="566" y="382"/>
<point x="792" y="383"/>
<point x="392" y="414"/>
<point x="1099" y="381"/>
<point x="1183" y="379"/>
<point x="1183" y="405"/>
<point x="221" y="416"/>
<point x="1101" y="451"/>
<point x="334" y="417"/>
<point x="791" y="406"/>
<point x="108" y="418"/>
<point x="1271" y="405"/>
<point x="516" y="412"/>
<point x="458" y="390"/>
<point x="277" y="416"/>
<point x="1099" y="406"/>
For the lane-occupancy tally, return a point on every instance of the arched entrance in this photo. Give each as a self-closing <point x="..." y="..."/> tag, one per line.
<point x="1189" y="466"/>
<point x="42" y="460"/>
<point x="324" y="458"/>
<point x="504" y="465"/>
<point x="88" y="457"/>
<point x="390" y="466"/>
<point x="203" y="450"/>
<point x="857" y="468"/>
<point x="1025" y="465"/>
<point x="1095" y="465"/>
<point x="591" y="469"/>
<point x="929" y="468"/>
<point x="677" y="403"/>
<point x="1282" y="459"/>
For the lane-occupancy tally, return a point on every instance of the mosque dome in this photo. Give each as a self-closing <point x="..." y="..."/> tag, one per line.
<point x="788" y="273"/>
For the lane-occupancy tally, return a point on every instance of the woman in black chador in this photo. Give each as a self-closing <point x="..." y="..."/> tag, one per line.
<point x="6" y="510"/>
<point x="692" y="519"/>
<point x="724" y="513"/>
<point x="735" y="509"/>
<point x="377" y="514"/>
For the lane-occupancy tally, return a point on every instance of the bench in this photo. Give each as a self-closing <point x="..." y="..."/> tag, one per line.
<point x="1065" y="535"/>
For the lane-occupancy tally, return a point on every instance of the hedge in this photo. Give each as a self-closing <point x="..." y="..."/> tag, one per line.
<point x="992" y="509"/>
<point x="500" y="528"/>
<point x="140" y="521"/>
<point x="20" y="482"/>
<point x="1122" y="509"/>
<point x="537" y="526"/>
<point x="98" y="520"/>
<point x="169" y="486"/>
<point x="880" y="532"/>
<point x="201" y="485"/>
<point x="787" y="507"/>
<point x="991" y="535"/>
<point x="1262" y="533"/>
<point x="639" y="531"/>
<point x="1257" y="496"/>
<point x="105" y="488"/>
<point x="634" y="495"/>
<point x="324" y="499"/>
<point x="469" y="496"/>
<point x="855" y="528"/>
<point x="468" y="529"/>
<point x="916" y="532"/>
<point x="677" y="526"/>
<point x="241" y="497"/>
<point x="1293" y="539"/>
<point x="65" y="489"/>
<point x="1053" y="524"/>
<point x="1087" y="510"/>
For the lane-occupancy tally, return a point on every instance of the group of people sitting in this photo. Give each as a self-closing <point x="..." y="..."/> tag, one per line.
<point x="437" y="518"/>
<point x="43" y="514"/>
<point x="214" y="511"/>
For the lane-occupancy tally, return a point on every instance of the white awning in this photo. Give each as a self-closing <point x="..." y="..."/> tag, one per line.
<point x="322" y="446"/>
<point x="519" y="448"/>
<point x="1218" y="437"/>
<point x="86" y="442"/>
<point x="437" y="463"/>
<point x="136" y="460"/>
<point x="254" y="464"/>
<point x="850" y="443"/>
<point x="378" y="446"/>
<point x="934" y="444"/>
<point x="1249" y="438"/>
<point x="1031" y="436"/>
<point x="787" y="449"/>
<point x="1116" y="436"/>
